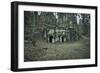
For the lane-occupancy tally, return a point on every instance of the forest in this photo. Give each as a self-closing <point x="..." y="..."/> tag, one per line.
<point x="56" y="36"/>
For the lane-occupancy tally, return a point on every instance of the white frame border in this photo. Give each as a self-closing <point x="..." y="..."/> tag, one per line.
<point x="22" y="64"/>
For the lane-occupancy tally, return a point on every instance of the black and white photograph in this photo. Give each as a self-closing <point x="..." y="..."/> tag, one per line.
<point x="56" y="36"/>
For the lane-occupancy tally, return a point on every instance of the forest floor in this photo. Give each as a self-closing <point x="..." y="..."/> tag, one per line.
<point x="57" y="51"/>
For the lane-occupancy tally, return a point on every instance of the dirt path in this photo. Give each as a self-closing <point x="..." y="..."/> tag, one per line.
<point x="63" y="51"/>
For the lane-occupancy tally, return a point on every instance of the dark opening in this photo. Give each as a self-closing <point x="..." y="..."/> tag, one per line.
<point x="62" y="39"/>
<point x="50" y="39"/>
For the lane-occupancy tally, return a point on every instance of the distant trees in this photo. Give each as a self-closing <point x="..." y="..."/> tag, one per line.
<point x="40" y="23"/>
<point x="28" y="25"/>
<point x="86" y="24"/>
